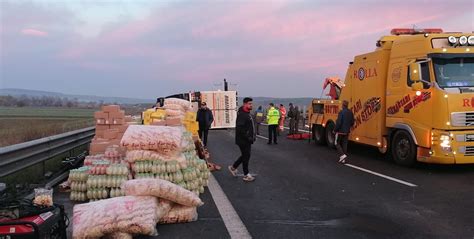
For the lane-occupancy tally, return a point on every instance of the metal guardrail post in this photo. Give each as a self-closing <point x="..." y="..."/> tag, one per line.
<point x="17" y="157"/>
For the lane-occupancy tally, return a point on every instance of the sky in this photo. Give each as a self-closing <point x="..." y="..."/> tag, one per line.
<point x="147" y="49"/>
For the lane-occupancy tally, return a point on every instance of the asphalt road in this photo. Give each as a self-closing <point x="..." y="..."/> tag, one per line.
<point x="302" y="192"/>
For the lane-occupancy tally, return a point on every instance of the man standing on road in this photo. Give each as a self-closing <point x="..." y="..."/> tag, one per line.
<point x="258" y="119"/>
<point x="205" y="119"/>
<point x="273" y="116"/>
<point x="291" y="116"/>
<point x="244" y="137"/>
<point x="281" y="124"/>
<point x="344" y="122"/>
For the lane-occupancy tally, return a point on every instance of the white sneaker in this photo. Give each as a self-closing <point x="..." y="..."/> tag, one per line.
<point x="233" y="171"/>
<point x="248" y="178"/>
<point x="342" y="159"/>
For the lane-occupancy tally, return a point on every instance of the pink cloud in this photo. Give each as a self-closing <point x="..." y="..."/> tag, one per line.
<point x="307" y="40"/>
<point x="34" y="32"/>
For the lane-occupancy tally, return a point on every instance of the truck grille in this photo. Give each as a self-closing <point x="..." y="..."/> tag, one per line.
<point x="467" y="150"/>
<point x="462" y="119"/>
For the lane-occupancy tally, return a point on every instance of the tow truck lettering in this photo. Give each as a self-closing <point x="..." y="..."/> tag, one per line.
<point x="331" y="109"/>
<point x="468" y="102"/>
<point x="363" y="73"/>
<point x="417" y="100"/>
<point x="356" y="108"/>
<point x="371" y="107"/>
<point x="396" y="108"/>
<point x="407" y="103"/>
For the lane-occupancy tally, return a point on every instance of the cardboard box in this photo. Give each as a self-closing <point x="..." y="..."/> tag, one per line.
<point x="99" y="133"/>
<point x="110" y="108"/>
<point x="101" y="115"/>
<point x="97" y="140"/>
<point x="111" y="134"/>
<point x="116" y="115"/>
<point x="119" y="128"/>
<point x="101" y="121"/>
<point x="98" y="148"/>
<point x="118" y="121"/>
<point x="102" y="127"/>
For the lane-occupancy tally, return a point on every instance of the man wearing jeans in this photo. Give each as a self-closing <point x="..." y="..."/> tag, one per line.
<point x="244" y="138"/>
<point x="344" y="122"/>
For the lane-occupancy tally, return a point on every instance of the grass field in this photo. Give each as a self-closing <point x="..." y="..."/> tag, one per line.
<point x="29" y="112"/>
<point x="19" y="125"/>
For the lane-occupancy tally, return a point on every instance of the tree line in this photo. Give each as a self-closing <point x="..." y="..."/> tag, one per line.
<point x="45" y="101"/>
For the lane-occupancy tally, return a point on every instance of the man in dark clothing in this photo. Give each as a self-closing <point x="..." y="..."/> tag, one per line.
<point x="244" y="137"/>
<point x="344" y="122"/>
<point x="205" y="118"/>
<point x="291" y="116"/>
<point x="259" y="116"/>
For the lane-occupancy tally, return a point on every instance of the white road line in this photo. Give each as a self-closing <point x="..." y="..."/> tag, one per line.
<point x="232" y="221"/>
<point x="262" y="137"/>
<point x="381" y="175"/>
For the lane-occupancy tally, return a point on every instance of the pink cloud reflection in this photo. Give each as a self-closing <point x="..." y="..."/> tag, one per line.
<point x="34" y="32"/>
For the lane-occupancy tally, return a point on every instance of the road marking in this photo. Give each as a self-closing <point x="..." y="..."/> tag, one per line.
<point x="262" y="137"/>
<point x="381" y="175"/>
<point x="232" y="221"/>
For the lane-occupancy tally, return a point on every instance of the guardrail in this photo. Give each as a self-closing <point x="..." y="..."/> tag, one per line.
<point x="20" y="156"/>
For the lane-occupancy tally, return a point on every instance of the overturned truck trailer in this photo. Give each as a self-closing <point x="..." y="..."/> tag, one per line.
<point x="223" y="105"/>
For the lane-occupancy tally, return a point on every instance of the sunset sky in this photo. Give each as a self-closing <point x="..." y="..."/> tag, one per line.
<point x="145" y="49"/>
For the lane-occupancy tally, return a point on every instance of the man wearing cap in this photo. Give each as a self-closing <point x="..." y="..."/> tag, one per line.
<point x="205" y="118"/>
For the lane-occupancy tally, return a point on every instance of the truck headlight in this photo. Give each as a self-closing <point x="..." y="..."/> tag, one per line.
<point x="445" y="142"/>
<point x="470" y="40"/>
<point x="452" y="40"/>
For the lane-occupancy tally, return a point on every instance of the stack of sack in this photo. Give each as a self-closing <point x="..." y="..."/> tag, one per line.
<point x="101" y="177"/>
<point x="147" y="202"/>
<point x="168" y="178"/>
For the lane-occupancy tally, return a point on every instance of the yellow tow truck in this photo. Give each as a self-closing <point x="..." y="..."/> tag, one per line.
<point x="412" y="98"/>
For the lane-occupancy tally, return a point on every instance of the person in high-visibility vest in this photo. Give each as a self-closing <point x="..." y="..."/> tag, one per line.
<point x="273" y="116"/>
<point x="282" y="118"/>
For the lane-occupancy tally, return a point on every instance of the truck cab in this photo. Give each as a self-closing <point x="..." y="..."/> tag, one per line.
<point x="413" y="98"/>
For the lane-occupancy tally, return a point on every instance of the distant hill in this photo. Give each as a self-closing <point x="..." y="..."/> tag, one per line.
<point x="263" y="101"/>
<point x="81" y="98"/>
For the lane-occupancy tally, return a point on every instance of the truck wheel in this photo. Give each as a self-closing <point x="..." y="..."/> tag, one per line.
<point x="318" y="134"/>
<point x="403" y="148"/>
<point x="330" y="136"/>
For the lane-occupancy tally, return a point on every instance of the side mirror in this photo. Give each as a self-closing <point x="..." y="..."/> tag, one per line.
<point x="416" y="86"/>
<point x="415" y="72"/>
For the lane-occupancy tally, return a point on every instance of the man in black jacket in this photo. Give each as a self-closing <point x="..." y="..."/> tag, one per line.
<point x="205" y="119"/>
<point x="344" y="122"/>
<point x="244" y="137"/>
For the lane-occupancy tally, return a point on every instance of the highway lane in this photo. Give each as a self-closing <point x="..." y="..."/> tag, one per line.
<point x="302" y="191"/>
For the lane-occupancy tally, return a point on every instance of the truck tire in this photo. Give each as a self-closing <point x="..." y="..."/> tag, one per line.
<point x="403" y="148"/>
<point x="330" y="136"/>
<point x="319" y="134"/>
